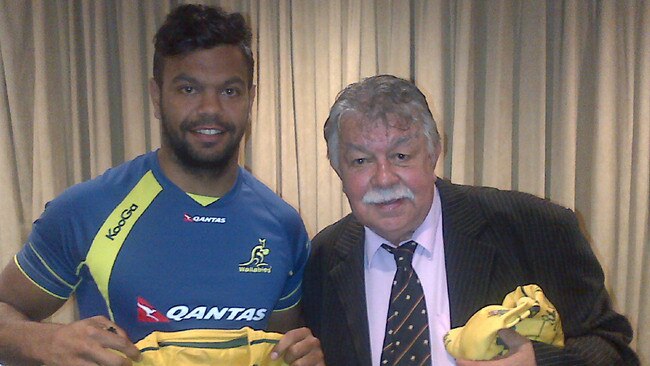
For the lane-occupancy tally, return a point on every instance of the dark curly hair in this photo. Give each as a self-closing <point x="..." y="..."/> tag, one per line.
<point x="193" y="27"/>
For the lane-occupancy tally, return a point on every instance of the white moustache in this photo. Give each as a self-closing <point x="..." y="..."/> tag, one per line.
<point x="384" y="195"/>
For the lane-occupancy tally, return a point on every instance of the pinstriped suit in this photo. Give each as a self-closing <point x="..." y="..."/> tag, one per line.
<point x="494" y="241"/>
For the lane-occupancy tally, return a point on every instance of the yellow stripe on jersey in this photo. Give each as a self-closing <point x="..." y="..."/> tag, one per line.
<point x="199" y="347"/>
<point x="203" y="200"/>
<point x="34" y="282"/>
<point x="111" y="236"/>
<point x="47" y="266"/>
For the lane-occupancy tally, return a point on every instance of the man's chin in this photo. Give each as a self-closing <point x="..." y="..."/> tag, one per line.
<point x="389" y="227"/>
<point x="205" y="162"/>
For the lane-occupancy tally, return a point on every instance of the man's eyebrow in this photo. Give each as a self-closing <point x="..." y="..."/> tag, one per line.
<point x="192" y="80"/>
<point x="356" y="147"/>
<point x="234" y="80"/>
<point x="406" y="139"/>
<point x="184" y="78"/>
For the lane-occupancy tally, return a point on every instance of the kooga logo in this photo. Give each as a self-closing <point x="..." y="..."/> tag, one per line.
<point x="124" y="216"/>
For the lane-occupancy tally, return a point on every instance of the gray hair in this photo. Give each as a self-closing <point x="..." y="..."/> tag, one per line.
<point x="374" y="98"/>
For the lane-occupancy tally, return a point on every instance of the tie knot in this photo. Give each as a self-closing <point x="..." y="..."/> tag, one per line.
<point x="402" y="253"/>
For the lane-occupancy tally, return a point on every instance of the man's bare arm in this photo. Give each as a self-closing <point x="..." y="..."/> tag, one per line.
<point x="24" y="340"/>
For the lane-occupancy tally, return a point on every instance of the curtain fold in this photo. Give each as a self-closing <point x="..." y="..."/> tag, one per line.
<point x="551" y="98"/>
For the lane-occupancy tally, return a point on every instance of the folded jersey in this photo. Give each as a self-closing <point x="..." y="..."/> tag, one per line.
<point x="198" y="347"/>
<point x="525" y="310"/>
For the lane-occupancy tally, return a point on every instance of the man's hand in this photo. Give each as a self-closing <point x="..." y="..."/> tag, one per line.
<point x="91" y="341"/>
<point x="299" y="347"/>
<point x="520" y="352"/>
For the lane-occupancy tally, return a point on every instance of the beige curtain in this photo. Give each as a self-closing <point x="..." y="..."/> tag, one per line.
<point x="551" y="98"/>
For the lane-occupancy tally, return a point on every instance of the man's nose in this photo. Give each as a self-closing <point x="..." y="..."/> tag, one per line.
<point x="385" y="175"/>
<point x="210" y="103"/>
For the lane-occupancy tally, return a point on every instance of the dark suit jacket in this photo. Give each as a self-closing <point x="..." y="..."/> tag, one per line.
<point x="494" y="241"/>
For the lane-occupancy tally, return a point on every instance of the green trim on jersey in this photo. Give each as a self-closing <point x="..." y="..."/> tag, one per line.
<point x="35" y="283"/>
<point x="198" y="347"/>
<point x="203" y="200"/>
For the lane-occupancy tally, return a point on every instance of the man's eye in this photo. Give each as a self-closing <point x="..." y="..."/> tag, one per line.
<point x="187" y="89"/>
<point x="231" y="91"/>
<point x="359" y="161"/>
<point x="401" y="156"/>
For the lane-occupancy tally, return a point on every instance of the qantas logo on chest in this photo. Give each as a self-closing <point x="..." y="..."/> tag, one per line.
<point x="148" y="314"/>
<point x="204" y="219"/>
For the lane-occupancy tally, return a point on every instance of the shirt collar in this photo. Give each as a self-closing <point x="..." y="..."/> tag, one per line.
<point x="424" y="235"/>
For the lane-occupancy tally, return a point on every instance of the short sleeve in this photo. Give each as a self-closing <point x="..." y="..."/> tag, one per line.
<point x="46" y="259"/>
<point x="292" y="292"/>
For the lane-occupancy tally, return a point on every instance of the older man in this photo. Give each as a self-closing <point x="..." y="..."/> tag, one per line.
<point x="469" y="246"/>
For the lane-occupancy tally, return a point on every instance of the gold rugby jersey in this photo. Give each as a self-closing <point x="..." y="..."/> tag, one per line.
<point x="199" y="347"/>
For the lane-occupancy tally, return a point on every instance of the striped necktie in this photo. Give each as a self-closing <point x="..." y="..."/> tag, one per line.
<point x="407" y="328"/>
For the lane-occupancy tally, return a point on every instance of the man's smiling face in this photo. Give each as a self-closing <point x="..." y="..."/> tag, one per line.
<point x="387" y="172"/>
<point x="204" y="105"/>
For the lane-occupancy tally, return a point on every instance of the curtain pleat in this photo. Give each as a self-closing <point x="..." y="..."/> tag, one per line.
<point x="546" y="97"/>
<point x="459" y="142"/>
<point x="11" y="230"/>
<point x="529" y="104"/>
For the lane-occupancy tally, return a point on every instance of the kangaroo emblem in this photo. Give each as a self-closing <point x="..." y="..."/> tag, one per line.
<point x="257" y="255"/>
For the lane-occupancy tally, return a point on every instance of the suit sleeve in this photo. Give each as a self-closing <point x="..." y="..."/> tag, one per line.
<point x="312" y="288"/>
<point x="574" y="281"/>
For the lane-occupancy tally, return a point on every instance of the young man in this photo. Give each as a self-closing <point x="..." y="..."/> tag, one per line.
<point x="177" y="239"/>
<point x="470" y="246"/>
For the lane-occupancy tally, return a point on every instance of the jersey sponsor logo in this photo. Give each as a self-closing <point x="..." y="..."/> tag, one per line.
<point x="206" y="219"/>
<point x="183" y="312"/>
<point x="124" y="217"/>
<point x="148" y="314"/>
<point x="256" y="263"/>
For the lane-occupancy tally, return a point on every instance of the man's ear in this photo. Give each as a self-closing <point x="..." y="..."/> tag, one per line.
<point x="252" y="93"/>
<point x="337" y="171"/>
<point x="436" y="154"/>
<point x="340" y="175"/>
<point x="155" y="94"/>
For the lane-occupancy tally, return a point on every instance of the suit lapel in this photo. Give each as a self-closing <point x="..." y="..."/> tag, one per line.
<point x="348" y="277"/>
<point x="467" y="256"/>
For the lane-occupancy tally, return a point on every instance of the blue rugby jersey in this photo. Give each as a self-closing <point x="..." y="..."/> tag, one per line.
<point x="136" y="248"/>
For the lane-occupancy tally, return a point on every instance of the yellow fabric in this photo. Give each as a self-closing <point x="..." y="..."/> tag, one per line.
<point x="525" y="310"/>
<point x="110" y="237"/>
<point x="199" y="347"/>
<point x="203" y="200"/>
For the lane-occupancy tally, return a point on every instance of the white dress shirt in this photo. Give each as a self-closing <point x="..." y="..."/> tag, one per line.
<point x="429" y="264"/>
